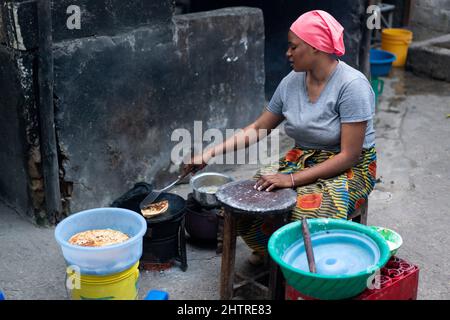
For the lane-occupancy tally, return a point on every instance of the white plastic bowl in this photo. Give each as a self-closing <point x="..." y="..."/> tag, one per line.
<point x="102" y="260"/>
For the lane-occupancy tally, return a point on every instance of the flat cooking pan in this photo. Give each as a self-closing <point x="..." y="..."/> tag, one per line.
<point x="177" y="206"/>
<point x="132" y="198"/>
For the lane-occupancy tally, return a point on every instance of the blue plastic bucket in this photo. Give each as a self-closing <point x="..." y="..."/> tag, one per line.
<point x="381" y="62"/>
<point x="102" y="260"/>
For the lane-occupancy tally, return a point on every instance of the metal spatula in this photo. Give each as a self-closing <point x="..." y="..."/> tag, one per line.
<point x="155" y="193"/>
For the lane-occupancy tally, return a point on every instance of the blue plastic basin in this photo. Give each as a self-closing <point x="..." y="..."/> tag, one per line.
<point x="102" y="260"/>
<point x="381" y="62"/>
<point x="336" y="252"/>
<point x="347" y="255"/>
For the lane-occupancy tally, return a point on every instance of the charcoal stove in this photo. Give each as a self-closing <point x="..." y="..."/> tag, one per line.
<point x="164" y="242"/>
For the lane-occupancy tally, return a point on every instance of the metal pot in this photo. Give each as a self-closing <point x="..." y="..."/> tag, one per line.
<point x="208" y="179"/>
<point x="202" y="225"/>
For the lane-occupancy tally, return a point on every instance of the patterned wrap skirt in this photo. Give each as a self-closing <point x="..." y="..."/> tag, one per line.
<point x="334" y="198"/>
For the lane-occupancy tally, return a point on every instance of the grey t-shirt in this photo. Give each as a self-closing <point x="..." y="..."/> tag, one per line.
<point x="347" y="97"/>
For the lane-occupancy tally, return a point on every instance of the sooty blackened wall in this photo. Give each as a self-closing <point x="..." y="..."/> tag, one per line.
<point x="122" y="83"/>
<point x="132" y="74"/>
<point x="120" y="97"/>
<point x="279" y="15"/>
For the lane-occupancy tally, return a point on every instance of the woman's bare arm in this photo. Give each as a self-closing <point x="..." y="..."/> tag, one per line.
<point x="251" y="134"/>
<point x="242" y="139"/>
<point x="352" y="139"/>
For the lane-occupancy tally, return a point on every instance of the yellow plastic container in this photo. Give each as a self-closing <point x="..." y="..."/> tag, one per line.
<point x="118" y="286"/>
<point x="397" y="41"/>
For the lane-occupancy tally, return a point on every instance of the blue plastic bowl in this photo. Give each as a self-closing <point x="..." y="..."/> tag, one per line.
<point x="102" y="260"/>
<point x="381" y="62"/>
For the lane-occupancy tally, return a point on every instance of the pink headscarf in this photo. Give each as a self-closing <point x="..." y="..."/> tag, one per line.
<point x="320" y="30"/>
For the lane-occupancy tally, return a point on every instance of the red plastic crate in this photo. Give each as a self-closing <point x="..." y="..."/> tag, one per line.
<point x="399" y="280"/>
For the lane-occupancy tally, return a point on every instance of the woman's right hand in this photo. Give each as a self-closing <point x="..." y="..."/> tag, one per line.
<point x="196" y="163"/>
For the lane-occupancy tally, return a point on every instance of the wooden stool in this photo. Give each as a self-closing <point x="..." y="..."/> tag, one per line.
<point x="241" y="199"/>
<point x="360" y="214"/>
<point x="220" y="231"/>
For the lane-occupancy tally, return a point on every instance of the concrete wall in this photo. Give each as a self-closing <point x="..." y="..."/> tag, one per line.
<point x="14" y="178"/>
<point x="131" y="75"/>
<point x="430" y="58"/>
<point x="430" y="18"/>
<point x="21" y="182"/>
<point x="120" y="97"/>
<point x="279" y="15"/>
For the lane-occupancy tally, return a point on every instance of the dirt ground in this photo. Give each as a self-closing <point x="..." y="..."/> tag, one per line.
<point x="412" y="197"/>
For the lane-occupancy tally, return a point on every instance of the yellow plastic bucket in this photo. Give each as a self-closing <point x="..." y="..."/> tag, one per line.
<point x="118" y="286"/>
<point x="396" y="41"/>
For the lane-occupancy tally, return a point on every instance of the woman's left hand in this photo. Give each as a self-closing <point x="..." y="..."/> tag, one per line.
<point x="273" y="181"/>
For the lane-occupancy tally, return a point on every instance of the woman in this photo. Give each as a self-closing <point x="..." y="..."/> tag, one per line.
<point x="328" y="107"/>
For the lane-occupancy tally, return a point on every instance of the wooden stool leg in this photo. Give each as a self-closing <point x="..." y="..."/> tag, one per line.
<point x="276" y="279"/>
<point x="219" y="233"/>
<point x="357" y="219"/>
<point x="276" y="282"/>
<point x="183" y="255"/>
<point x="364" y="211"/>
<point x="228" y="256"/>
<point x="360" y="214"/>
